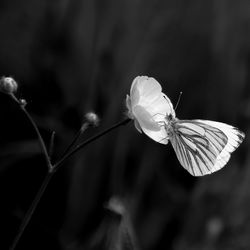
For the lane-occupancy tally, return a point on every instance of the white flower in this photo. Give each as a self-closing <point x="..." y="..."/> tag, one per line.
<point x="149" y="107"/>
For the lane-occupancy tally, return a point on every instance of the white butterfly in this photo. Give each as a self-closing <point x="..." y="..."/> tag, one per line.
<point x="201" y="146"/>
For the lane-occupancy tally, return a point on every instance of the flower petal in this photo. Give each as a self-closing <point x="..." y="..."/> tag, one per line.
<point x="145" y="119"/>
<point x="159" y="107"/>
<point x="148" y="106"/>
<point x="158" y="136"/>
<point x="137" y="126"/>
<point x="134" y="92"/>
<point x="146" y="88"/>
<point x="147" y="92"/>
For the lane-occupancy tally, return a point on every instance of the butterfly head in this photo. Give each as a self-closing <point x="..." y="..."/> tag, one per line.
<point x="170" y="117"/>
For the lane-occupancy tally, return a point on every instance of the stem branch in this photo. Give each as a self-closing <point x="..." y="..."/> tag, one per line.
<point x="75" y="139"/>
<point x="83" y="144"/>
<point x="52" y="168"/>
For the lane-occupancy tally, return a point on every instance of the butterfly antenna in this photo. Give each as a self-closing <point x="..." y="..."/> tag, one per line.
<point x="179" y="98"/>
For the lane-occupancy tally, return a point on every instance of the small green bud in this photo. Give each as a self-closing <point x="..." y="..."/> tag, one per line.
<point x="8" y="85"/>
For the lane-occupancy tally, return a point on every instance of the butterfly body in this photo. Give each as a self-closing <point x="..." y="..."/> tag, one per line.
<point x="169" y="125"/>
<point x="202" y="146"/>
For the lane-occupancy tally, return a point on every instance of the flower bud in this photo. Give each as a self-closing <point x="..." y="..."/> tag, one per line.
<point x="116" y="205"/>
<point x="8" y="85"/>
<point x="92" y="118"/>
<point x="23" y="102"/>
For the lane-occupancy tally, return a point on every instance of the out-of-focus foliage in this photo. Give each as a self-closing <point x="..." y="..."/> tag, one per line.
<point x="71" y="57"/>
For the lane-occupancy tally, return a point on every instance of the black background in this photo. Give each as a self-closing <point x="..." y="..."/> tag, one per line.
<point x="71" y="57"/>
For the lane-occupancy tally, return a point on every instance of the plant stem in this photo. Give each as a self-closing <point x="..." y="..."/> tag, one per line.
<point x="41" y="141"/>
<point x="83" y="144"/>
<point x="31" y="209"/>
<point x="76" y="137"/>
<point x="52" y="168"/>
<point x="46" y="180"/>
<point x="51" y="145"/>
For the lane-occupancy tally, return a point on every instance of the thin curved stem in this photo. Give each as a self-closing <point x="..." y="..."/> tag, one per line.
<point x="76" y="137"/>
<point x="51" y="145"/>
<point x="40" y="139"/>
<point x="85" y="143"/>
<point x="46" y="180"/>
<point x="52" y="168"/>
<point x="31" y="209"/>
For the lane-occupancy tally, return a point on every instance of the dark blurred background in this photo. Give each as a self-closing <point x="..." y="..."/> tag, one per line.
<point x="71" y="57"/>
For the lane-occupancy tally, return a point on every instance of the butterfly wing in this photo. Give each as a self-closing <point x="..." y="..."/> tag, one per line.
<point x="203" y="146"/>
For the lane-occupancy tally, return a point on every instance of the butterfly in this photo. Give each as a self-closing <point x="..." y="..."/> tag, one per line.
<point x="202" y="146"/>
